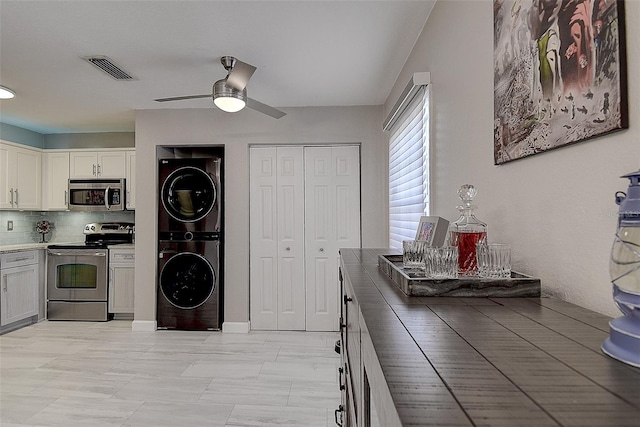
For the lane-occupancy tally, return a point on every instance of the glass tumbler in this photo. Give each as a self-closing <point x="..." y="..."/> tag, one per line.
<point x="494" y="260"/>
<point x="441" y="262"/>
<point x="413" y="254"/>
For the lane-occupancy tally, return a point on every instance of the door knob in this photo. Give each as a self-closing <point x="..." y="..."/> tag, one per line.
<point x="321" y="249"/>
<point x="287" y="248"/>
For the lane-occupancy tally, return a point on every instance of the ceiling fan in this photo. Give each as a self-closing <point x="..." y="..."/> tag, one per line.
<point x="230" y="94"/>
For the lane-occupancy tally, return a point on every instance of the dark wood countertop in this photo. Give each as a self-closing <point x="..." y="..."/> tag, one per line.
<point x="491" y="361"/>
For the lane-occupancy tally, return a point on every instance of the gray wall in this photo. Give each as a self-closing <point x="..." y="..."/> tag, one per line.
<point x="556" y="208"/>
<point x="236" y="132"/>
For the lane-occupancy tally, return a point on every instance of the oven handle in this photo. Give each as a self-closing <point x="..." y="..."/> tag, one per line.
<point x="106" y="198"/>
<point x="79" y="252"/>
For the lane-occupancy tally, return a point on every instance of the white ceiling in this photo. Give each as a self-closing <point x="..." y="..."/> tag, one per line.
<point x="308" y="53"/>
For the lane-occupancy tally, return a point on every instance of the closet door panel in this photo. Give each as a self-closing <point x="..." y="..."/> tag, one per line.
<point x="290" y="217"/>
<point x="263" y="265"/>
<point x="346" y="180"/>
<point x="332" y="187"/>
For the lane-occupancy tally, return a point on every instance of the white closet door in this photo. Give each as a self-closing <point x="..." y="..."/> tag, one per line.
<point x="290" y="213"/>
<point x="277" y="239"/>
<point x="332" y="216"/>
<point x="263" y="235"/>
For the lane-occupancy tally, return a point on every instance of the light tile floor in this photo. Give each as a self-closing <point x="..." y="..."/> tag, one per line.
<point x="103" y="374"/>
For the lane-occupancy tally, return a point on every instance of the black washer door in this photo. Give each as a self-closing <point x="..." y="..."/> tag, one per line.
<point x="187" y="280"/>
<point x="188" y="194"/>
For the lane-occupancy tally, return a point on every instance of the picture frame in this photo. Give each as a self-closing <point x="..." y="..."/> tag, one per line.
<point x="432" y="230"/>
<point x="560" y="74"/>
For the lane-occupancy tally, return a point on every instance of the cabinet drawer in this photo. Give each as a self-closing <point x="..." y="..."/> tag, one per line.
<point x="126" y="256"/>
<point x="17" y="259"/>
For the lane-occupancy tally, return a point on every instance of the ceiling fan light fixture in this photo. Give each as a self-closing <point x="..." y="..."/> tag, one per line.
<point x="6" y="93"/>
<point x="227" y="98"/>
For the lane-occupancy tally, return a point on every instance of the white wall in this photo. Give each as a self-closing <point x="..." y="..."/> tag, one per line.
<point x="236" y="132"/>
<point x="557" y="209"/>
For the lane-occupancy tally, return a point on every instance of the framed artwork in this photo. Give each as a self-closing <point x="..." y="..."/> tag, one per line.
<point x="559" y="74"/>
<point x="433" y="230"/>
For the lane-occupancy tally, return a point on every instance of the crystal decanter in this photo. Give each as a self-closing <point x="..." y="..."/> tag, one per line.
<point x="466" y="232"/>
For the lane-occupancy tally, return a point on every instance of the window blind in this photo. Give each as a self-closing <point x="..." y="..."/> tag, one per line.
<point x="409" y="170"/>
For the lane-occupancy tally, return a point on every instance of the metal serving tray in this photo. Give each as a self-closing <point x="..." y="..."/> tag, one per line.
<point x="414" y="283"/>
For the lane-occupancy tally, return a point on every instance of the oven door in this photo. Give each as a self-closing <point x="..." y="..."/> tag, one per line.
<point x="77" y="274"/>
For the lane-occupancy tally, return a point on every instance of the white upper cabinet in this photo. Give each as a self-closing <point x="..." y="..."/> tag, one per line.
<point x="20" y="177"/>
<point x="36" y="179"/>
<point x="97" y="164"/>
<point x="55" y="183"/>
<point x="131" y="179"/>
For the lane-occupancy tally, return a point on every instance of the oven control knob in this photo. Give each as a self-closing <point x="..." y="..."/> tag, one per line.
<point x="188" y="235"/>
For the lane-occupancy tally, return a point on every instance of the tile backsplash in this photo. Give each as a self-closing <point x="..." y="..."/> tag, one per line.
<point x="65" y="226"/>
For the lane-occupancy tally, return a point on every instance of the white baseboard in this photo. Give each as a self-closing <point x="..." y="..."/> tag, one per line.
<point x="144" y="325"/>
<point x="236" y="328"/>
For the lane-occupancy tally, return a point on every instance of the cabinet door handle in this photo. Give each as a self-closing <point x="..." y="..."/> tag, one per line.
<point x="340" y="410"/>
<point x="66" y="203"/>
<point x="94" y="170"/>
<point x="4" y="283"/>
<point x="110" y="276"/>
<point x="98" y="170"/>
<point x="16" y="193"/>
<point x="11" y="191"/>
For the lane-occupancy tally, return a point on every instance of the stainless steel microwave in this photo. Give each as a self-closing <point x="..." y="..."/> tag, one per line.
<point x="89" y="195"/>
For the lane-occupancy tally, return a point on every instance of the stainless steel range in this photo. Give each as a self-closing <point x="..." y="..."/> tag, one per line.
<point x="77" y="282"/>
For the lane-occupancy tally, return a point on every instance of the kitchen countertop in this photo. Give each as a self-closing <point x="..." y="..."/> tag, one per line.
<point x="24" y="247"/>
<point x="490" y="361"/>
<point x="33" y="246"/>
<point x="122" y="246"/>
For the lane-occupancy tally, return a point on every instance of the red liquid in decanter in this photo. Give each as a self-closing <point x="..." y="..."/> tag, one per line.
<point x="466" y="243"/>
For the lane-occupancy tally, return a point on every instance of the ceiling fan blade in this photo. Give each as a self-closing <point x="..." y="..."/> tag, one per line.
<point x="180" y="98"/>
<point x="265" y="109"/>
<point x="240" y="75"/>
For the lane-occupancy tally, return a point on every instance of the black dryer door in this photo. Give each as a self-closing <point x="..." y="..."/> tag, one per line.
<point x="188" y="194"/>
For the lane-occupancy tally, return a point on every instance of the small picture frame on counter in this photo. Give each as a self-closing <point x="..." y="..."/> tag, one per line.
<point x="433" y="230"/>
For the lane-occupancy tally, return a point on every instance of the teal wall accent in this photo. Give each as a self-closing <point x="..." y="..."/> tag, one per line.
<point x="21" y="136"/>
<point x="67" y="140"/>
<point x="90" y="140"/>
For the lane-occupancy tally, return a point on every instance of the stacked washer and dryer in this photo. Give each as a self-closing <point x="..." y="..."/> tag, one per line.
<point x="190" y="245"/>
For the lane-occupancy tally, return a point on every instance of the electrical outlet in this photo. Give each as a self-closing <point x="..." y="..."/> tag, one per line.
<point x="9" y="225"/>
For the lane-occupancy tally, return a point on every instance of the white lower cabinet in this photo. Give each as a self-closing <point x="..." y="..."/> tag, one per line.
<point x="20" y="278"/>
<point x="121" y="280"/>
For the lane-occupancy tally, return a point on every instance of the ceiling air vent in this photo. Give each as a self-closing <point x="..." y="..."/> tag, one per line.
<point x="107" y="65"/>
